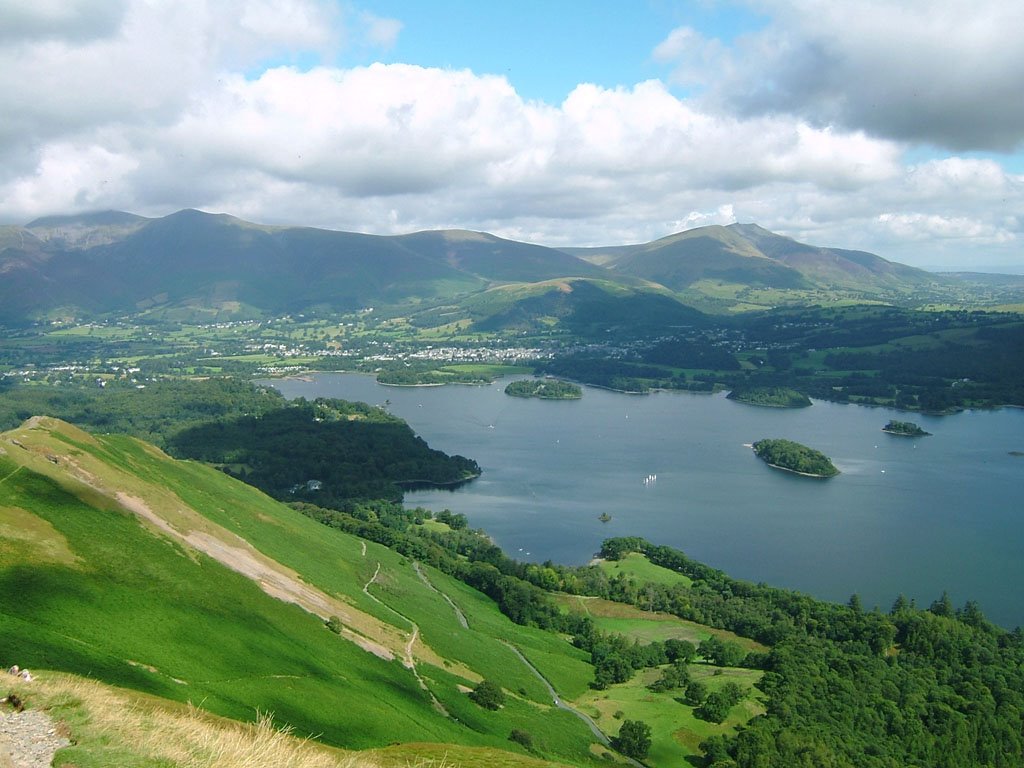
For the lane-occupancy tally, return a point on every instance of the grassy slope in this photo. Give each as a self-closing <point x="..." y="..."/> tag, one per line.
<point x="648" y="626"/>
<point x="637" y="566"/>
<point x="118" y="728"/>
<point x="98" y="593"/>
<point x="85" y="587"/>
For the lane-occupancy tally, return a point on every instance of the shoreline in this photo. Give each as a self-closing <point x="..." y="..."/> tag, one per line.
<point x="798" y="472"/>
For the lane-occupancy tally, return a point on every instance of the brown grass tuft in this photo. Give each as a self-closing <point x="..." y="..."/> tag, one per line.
<point x="186" y="736"/>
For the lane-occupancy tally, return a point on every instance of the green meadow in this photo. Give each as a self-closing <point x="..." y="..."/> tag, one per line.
<point x="638" y="567"/>
<point x="86" y="588"/>
<point x="675" y="728"/>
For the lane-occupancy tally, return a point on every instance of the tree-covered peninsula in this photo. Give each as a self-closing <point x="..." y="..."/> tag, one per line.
<point x="545" y="389"/>
<point x="327" y="450"/>
<point x="794" y="457"/>
<point x="771" y="397"/>
<point x="904" y="428"/>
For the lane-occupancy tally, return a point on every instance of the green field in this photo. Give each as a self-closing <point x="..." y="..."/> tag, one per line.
<point x="674" y="727"/>
<point x="637" y="566"/>
<point x="649" y="626"/>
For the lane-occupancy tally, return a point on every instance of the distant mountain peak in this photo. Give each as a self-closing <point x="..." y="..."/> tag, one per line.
<point x="94" y="218"/>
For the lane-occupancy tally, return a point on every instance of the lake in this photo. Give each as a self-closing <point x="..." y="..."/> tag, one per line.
<point x="910" y="515"/>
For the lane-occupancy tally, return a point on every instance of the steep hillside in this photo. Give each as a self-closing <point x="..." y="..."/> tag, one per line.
<point x="204" y="263"/>
<point x="173" y="579"/>
<point x="587" y="308"/>
<point x="716" y="252"/>
<point x="751" y="257"/>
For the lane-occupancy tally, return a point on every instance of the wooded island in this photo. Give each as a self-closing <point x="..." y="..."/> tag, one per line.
<point x="904" y="428"/>
<point x="794" y="457"/>
<point x="771" y="397"/>
<point x="545" y="389"/>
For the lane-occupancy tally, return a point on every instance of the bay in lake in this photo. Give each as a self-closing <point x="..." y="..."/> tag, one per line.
<point x="910" y="515"/>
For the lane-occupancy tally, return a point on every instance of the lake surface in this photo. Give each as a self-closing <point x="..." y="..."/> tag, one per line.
<point x="910" y="515"/>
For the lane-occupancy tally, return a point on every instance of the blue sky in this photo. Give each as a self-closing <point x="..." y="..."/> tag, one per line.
<point x="896" y="128"/>
<point x="546" y="49"/>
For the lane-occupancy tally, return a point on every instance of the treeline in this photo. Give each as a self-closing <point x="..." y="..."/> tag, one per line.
<point x="774" y="397"/>
<point x="843" y="686"/>
<point x="327" y="450"/>
<point x="425" y="376"/>
<point x="621" y="375"/>
<point x="849" y="687"/>
<point x="684" y="353"/>
<point x="152" y="411"/>
<point x="545" y="389"/>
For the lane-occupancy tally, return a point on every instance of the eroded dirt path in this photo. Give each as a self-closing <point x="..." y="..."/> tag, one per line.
<point x="409" y="660"/>
<point x="28" y="739"/>
<point x="458" y="611"/>
<point x="273" y="578"/>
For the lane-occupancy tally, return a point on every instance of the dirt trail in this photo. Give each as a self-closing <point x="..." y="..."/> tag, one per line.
<point x="28" y="739"/>
<point x="273" y="578"/>
<point x="458" y="611"/>
<point x="409" y="661"/>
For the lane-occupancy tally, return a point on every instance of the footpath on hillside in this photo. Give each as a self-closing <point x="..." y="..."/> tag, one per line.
<point x="28" y="738"/>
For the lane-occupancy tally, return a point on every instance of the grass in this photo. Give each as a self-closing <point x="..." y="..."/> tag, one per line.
<point x="148" y="615"/>
<point x="648" y="626"/>
<point x="639" y="567"/>
<point x="85" y="587"/>
<point x="119" y="728"/>
<point x="675" y="730"/>
<point x="111" y="728"/>
<point x="95" y="591"/>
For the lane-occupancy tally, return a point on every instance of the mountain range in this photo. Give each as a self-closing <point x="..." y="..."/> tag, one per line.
<point x="221" y="266"/>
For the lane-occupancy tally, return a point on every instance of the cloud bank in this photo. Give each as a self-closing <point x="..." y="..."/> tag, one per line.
<point x="152" y="107"/>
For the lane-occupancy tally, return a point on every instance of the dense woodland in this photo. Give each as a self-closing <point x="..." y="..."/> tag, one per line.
<point x="906" y="428"/>
<point x="545" y="389"/>
<point x="787" y="454"/>
<point x="153" y="411"/>
<point x="328" y="450"/>
<point x="771" y="397"/>
<point x="621" y="375"/>
<point x="350" y="450"/>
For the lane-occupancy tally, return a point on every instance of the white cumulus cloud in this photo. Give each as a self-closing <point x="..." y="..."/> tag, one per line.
<point x="168" y="105"/>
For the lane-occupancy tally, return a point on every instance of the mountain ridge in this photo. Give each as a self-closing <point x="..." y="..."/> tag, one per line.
<point x="221" y="265"/>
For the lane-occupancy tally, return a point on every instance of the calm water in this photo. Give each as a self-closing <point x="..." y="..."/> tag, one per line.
<point x="906" y="515"/>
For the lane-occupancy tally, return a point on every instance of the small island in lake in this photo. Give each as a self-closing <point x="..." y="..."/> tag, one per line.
<point x="904" y="428"/>
<point x="545" y="389"/>
<point x="794" y="457"/>
<point x="770" y="397"/>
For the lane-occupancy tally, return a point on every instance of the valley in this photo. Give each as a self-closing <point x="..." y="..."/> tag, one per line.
<point x="177" y="541"/>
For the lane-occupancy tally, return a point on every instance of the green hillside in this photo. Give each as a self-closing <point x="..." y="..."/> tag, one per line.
<point x="141" y="571"/>
<point x="172" y="579"/>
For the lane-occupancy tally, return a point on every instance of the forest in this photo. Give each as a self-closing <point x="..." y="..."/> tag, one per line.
<point x="792" y="456"/>
<point x="771" y="397"/>
<point x="350" y="450"/>
<point x="545" y="389"/>
<point x="328" y="450"/>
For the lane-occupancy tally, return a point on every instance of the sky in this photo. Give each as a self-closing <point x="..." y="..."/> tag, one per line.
<point x="892" y="127"/>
